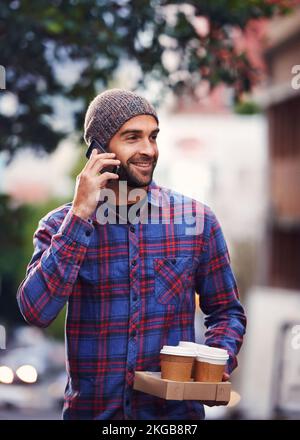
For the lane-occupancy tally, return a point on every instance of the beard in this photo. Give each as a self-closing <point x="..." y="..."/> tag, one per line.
<point x="135" y="178"/>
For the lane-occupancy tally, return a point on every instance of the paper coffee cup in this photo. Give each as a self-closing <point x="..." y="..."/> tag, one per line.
<point x="200" y="349"/>
<point x="193" y="346"/>
<point x="210" y="364"/>
<point x="176" y="363"/>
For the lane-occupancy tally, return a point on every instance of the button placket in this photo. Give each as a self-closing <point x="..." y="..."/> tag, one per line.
<point x="134" y="315"/>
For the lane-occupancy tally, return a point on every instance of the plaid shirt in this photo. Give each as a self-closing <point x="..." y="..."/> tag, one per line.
<point x="130" y="289"/>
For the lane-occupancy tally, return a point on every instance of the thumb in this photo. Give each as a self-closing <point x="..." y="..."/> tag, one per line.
<point x="225" y="377"/>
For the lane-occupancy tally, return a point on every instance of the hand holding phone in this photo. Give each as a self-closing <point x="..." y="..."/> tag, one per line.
<point x="100" y="149"/>
<point x="89" y="181"/>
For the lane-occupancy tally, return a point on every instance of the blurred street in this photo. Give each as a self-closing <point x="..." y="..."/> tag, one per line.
<point x="29" y="414"/>
<point x="32" y="377"/>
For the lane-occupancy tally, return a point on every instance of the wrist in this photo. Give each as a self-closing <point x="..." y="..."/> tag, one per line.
<point x="82" y="213"/>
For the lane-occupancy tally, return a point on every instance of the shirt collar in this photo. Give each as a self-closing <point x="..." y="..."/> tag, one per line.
<point x="153" y="194"/>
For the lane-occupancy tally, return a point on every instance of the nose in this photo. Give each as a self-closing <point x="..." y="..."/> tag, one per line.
<point x="148" y="149"/>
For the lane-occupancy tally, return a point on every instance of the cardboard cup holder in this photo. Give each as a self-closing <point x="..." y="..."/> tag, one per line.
<point x="150" y="382"/>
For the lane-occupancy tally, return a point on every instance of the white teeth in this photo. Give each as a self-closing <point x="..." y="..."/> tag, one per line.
<point x="141" y="164"/>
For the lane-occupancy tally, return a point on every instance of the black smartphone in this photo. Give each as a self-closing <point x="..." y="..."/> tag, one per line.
<point x="98" y="146"/>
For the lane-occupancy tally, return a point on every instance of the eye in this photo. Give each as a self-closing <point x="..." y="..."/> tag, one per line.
<point x="132" y="138"/>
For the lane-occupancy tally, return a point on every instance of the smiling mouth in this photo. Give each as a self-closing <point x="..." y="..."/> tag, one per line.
<point x="143" y="165"/>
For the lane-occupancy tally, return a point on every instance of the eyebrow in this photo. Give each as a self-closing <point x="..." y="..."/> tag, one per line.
<point x="136" y="131"/>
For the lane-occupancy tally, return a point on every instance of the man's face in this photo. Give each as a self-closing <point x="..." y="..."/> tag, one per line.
<point x="135" y="146"/>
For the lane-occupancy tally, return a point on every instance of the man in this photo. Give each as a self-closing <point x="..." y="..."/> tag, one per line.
<point x="130" y="285"/>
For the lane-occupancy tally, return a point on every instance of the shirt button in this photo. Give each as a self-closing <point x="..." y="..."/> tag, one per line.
<point x="133" y="263"/>
<point x="87" y="233"/>
<point x="134" y="298"/>
<point x="174" y="261"/>
<point x="130" y="369"/>
<point x="132" y="228"/>
<point x="133" y="333"/>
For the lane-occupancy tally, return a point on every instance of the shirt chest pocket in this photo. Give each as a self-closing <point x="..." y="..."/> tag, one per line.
<point x="173" y="277"/>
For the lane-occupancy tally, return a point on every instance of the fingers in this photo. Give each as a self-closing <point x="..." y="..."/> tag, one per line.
<point x="105" y="177"/>
<point x="95" y="156"/>
<point x="208" y="402"/>
<point x="213" y="403"/>
<point x="102" y="162"/>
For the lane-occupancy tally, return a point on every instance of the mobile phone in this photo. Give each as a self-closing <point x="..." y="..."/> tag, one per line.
<point x="98" y="146"/>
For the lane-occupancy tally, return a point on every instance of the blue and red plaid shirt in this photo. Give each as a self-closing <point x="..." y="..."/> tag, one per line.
<point x="130" y="289"/>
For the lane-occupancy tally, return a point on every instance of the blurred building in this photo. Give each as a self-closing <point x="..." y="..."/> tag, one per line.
<point x="219" y="159"/>
<point x="281" y="99"/>
<point x="271" y="361"/>
<point x="247" y="169"/>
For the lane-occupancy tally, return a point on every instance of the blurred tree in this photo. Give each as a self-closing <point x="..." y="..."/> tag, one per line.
<point x="38" y="37"/>
<point x="18" y="224"/>
<point x="12" y="219"/>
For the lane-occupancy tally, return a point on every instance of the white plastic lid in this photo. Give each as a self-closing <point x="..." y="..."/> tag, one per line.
<point x="191" y="345"/>
<point x="213" y="352"/>
<point x="178" y="351"/>
<point x="213" y="356"/>
<point x="205" y="349"/>
<point x="188" y="344"/>
<point x="212" y="360"/>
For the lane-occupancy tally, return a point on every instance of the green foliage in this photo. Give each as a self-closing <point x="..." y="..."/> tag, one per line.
<point x="57" y="328"/>
<point x="247" y="108"/>
<point x="11" y="235"/>
<point x="37" y="35"/>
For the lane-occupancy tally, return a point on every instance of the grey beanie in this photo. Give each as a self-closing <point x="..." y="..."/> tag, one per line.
<point x="110" y="110"/>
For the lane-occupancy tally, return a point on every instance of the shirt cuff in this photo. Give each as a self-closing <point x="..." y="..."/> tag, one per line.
<point x="76" y="228"/>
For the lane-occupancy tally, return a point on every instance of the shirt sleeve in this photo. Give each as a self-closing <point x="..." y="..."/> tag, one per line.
<point x="59" y="249"/>
<point x="218" y="294"/>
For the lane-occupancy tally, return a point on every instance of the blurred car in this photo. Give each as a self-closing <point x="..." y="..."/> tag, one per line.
<point x="32" y="371"/>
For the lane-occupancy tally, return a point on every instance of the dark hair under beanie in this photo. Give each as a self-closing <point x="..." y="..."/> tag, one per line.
<point x="110" y="110"/>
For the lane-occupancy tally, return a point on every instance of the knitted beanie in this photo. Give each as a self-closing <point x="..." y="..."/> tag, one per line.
<point x="110" y="110"/>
